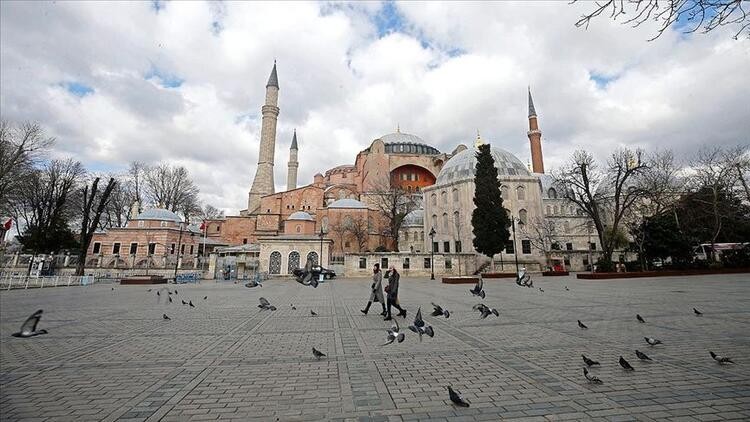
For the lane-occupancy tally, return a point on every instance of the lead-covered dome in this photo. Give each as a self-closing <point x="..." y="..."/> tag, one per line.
<point x="462" y="166"/>
<point x="301" y="215"/>
<point x="405" y="143"/>
<point x="158" y="214"/>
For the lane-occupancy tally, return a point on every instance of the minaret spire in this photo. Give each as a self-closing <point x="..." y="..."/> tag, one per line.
<point x="263" y="181"/>
<point x="535" y="139"/>
<point x="292" y="165"/>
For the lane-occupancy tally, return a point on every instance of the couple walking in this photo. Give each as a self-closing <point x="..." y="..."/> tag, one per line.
<point x="391" y="290"/>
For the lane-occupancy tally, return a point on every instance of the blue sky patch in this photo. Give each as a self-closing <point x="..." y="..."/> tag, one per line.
<point x="78" y="89"/>
<point x="601" y="80"/>
<point x="165" y="79"/>
<point x="388" y="19"/>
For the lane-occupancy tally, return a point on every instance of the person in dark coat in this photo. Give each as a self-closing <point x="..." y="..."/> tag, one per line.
<point x="376" y="294"/>
<point x="392" y="291"/>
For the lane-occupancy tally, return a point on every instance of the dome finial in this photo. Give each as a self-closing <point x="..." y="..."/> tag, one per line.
<point x="398" y="128"/>
<point x="479" y="140"/>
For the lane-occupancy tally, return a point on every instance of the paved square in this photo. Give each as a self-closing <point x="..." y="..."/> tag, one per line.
<point x="110" y="355"/>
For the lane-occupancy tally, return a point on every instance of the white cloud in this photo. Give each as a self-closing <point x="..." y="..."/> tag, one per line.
<point x="447" y="70"/>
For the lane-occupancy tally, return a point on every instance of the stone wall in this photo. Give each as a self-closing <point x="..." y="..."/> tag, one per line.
<point x="410" y="264"/>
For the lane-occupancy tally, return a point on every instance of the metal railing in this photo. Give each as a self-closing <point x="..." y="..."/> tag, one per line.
<point x="8" y="282"/>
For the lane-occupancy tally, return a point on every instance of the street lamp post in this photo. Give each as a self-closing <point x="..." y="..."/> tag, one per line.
<point x="432" y="253"/>
<point x="179" y="245"/>
<point x="321" y="246"/>
<point x="515" y="246"/>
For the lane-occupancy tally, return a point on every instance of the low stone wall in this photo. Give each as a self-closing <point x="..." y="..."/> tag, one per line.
<point x="666" y="273"/>
<point x="461" y="280"/>
<point x="499" y="275"/>
<point x="555" y="273"/>
<point x="410" y="264"/>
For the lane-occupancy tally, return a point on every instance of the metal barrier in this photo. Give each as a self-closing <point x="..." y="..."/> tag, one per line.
<point x="30" y="282"/>
<point x="188" y="277"/>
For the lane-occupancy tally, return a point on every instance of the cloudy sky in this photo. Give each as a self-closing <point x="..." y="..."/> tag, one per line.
<point x="184" y="82"/>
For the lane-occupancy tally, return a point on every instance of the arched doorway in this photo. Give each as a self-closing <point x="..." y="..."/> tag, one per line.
<point x="314" y="257"/>
<point x="274" y="264"/>
<point x="293" y="262"/>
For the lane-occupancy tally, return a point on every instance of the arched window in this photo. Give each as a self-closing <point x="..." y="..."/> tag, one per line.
<point x="434" y="221"/>
<point x="455" y="195"/>
<point x="520" y="193"/>
<point x="434" y="200"/>
<point x="348" y="221"/>
<point x="406" y="236"/>
<point x="324" y="224"/>
<point x="552" y="193"/>
<point x="298" y="228"/>
<point x="293" y="261"/>
<point x="421" y="236"/>
<point x="444" y="197"/>
<point x="446" y="223"/>
<point x="505" y="192"/>
<point x="456" y="221"/>
<point x="274" y="263"/>
<point x="566" y="226"/>
<point x="549" y="210"/>
<point x="314" y="257"/>
<point x="557" y="210"/>
<point x="523" y="216"/>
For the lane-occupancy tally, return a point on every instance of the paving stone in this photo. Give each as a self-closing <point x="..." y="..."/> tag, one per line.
<point x="110" y="356"/>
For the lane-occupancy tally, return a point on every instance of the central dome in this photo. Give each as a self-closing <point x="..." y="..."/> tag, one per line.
<point x="405" y="143"/>
<point x="462" y="166"/>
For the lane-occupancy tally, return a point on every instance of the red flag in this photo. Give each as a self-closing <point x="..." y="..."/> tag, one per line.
<point x="203" y="225"/>
<point x="8" y="224"/>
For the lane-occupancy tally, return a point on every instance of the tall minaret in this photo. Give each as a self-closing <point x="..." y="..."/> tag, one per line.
<point x="263" y="182"/>
<point x="535" y="139"/>
<point x="291" y="175"/>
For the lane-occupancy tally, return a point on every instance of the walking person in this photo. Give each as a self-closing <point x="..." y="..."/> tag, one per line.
<point x="392" y="290"/>
<point x="376" y="295"/>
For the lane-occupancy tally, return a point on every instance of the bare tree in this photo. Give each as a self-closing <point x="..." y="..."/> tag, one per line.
<point x="697" y="14"/>
<point x="172" y="188"/>
<point x="209" y="212"/>
<point x="716" y="174"/>
<point x="93" y="204"/>
<point x="393" y="203"/>
<point x="359" y="229"/>
<point x="339" y="233"/>
<point x="605" y="196"/>
<point x="543" y="235"/>
<point x="44" y="205"/>
<point x="20" y="148"/>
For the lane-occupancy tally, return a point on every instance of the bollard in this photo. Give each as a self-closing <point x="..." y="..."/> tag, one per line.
<point x="41" y="286"/>
<point x="70" y="278"/>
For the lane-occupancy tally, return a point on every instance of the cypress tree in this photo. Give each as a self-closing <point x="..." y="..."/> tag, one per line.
<point x="489" y="220"/>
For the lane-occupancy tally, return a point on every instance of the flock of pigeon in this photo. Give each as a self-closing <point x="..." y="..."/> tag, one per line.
<point x="640" y="355"/>
<point x="394" y="334"/>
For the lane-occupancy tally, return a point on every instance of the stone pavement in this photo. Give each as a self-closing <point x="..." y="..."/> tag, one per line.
<point x="110" y="356"/>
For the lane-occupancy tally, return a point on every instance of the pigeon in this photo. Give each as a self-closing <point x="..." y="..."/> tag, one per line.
<point x="589" y="362"/>
<point x="164" y="316"/>
<point x="264" y="304"/>
<point x="541" y="290"/>
<point x="440" y="311"/>
<point x="317" y="353"/>
<point x="456" y="398"/>
<point x="697" y="312"/>
<point x="567" y="289"/>
<point x="394" y="334"/>
<point x="253" y="283"/>
<point x="113" y="289"/>
<point x="485" y="310"/>
<point x="641" y="355"/>
<point x="190" y="302"/>
<point x="293" y="307"/>
<point x="184" y="303"/>
<point x="639" y="318"/>
<point x="582" y="325"/>
<point x="722" y="360"/>
<point x="205" y="297"/>
<point x="28" y="328"/>
<point x="478" y="290"/>
<point x="591" y="377"/>
<point x="157" y="293"/>
<point x="170" y="299"/>
<point x="652" y="341"/>
<point x="149" y="290"/>
<point x="419" y="326"/>
<point x="625" y="365"/>
<point x="313" y="313"/>
<point x="175" y="291"/>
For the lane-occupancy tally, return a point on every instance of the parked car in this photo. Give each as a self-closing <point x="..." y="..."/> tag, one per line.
<point x="316" y="270"/>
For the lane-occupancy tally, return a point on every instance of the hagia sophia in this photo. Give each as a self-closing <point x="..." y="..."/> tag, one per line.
<point x="336" y="218"/>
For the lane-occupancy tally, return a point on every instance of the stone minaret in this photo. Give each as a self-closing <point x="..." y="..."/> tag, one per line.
<point x="263" y="182"/>
<point x="535" y="139"/>
<point x="291" y="175"/>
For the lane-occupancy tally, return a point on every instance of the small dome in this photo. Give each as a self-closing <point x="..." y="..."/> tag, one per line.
<point x="159" y="214"/>
<point x="462" y="166"/>
<point x="301" y="215"/>
<point x="414" y="218"/>
<point x="347" y="203"/>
